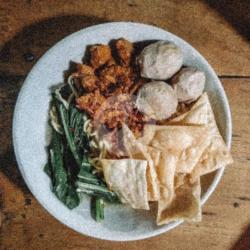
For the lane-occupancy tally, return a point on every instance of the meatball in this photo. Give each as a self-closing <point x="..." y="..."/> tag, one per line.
<point x="99" y="55"/>
<point x="160" y="60"/>
<point x="189" y="84"/>
<point x="157" y="100"/>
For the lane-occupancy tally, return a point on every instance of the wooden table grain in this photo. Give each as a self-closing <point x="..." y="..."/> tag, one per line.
<point x="218" y="29"/>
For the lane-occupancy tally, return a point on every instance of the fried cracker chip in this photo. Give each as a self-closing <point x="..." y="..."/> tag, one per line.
<point x="198" y="114"/>
<point x="179" y="179"/>
<point x="137" y="150"/>
<point x="217" y="154"/>
<point x="181" y="148"/>
<point x="127" y="178"/>
<point x="148" y="134"/>
<point x="185" y="143"/>
<point x="166" y="172"/>
<point x="184" y="205"/>
<point x="153" y="157"/>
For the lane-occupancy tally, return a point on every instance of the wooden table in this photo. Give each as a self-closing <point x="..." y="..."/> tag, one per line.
<point x="218" y="29"/>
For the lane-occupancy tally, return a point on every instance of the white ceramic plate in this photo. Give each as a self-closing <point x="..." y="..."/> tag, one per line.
<point x="30" y="126"/>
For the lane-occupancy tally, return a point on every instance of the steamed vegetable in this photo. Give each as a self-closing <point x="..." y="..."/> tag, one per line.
<point x="97" y="206"/>
<point x="62" y="186"/>
<point x="70" y="151"/>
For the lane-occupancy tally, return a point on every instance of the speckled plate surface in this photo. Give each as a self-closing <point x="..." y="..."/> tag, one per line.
<point x="30" y="127"/>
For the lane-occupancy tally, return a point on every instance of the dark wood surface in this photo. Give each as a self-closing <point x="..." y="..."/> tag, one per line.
<point x="218" y="29"/>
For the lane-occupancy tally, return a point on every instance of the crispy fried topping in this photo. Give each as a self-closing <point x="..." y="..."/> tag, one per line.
<point x="109" y="87"/>
<point x="124" y="50"/>
<point x="89" y="82"/>
<point x="84" y="69"/>
<point x="111" y="62"/>
<point x="115" y="77"/>
<point x="99" y="55"/>
<point x="90" y="102"/>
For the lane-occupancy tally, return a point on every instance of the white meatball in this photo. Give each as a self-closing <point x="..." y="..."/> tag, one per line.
<point x="189" y="84"/>
<point x="157" y="100"/>
<point x="160" y="60"/>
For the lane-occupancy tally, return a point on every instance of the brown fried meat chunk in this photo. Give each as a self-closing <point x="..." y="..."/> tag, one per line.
<point x="99" y="55"/>
<point x="109" y="87"/>
<point x="124" y="50"/>
<point x="85" y="77"/>
<point x="90" y="102"/>
<point x="83" y="69"/>
<point x="111" y="62"/>
<point x="116" y="79"/>
<point x="89" y="82"/>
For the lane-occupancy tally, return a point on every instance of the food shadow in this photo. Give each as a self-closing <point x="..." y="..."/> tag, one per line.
<point x="33" y="40"/>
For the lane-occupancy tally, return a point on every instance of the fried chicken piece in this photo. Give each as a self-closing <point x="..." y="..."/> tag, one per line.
<point x="109" y="74"/>
<point x="99" y="55"/>
<point x="115" y="76"/>
<point x="124" y="50"/>
<point x="85" y="77"/>
<point x="110" y="86"/>
<point x="111" y="62"/>
<point x="90" y="102"/>
<point x="89" y="82"/>
<point x="84" y="69"/>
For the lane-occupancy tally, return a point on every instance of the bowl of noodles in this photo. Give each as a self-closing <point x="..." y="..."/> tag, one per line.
<point x="122" y="131"/>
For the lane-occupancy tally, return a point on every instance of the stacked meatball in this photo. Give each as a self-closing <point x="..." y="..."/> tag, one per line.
<point x="172" y="83"/>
